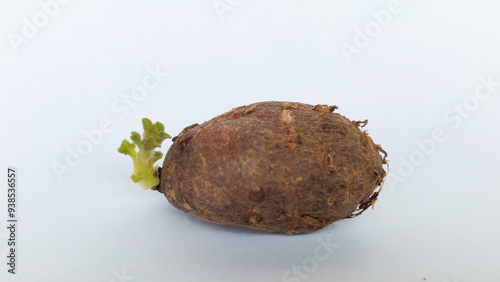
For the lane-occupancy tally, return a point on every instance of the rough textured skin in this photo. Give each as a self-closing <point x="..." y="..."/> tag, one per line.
<point x="274" y="166"/>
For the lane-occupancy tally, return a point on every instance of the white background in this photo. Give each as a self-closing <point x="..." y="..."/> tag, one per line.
<point x="437" y="218"/>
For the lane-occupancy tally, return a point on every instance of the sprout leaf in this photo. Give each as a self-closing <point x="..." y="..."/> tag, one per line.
<point x="145" y="172"/>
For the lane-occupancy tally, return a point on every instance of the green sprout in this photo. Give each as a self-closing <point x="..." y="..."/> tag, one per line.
<point x="145" y="172"/>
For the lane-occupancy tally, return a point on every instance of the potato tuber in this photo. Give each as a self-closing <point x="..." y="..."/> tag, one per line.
<point x="273" y="166"/>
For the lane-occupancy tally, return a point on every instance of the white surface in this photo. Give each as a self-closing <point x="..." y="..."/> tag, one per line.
<point x="440" y="224"/>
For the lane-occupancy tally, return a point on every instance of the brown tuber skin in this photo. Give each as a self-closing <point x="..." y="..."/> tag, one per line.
<point x="274" y="166"/>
